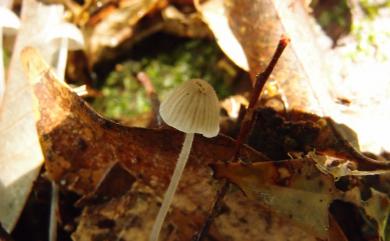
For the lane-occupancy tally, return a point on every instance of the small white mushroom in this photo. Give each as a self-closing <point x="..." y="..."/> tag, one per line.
<point x="191" y="108"/>
<point x="68" y="37"/>
<point x="9" y="23"/>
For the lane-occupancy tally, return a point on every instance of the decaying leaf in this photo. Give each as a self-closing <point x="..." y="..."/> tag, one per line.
<point x="340" y="168"/>
<point x="115" y="28"/>
<point x="20" y="152"/>
<point x="294" y="189"/>
<point x="126" y="218"/>
<point x="183" y="24"/>
<point x="80" y="145"/>
<point x="299" y="191"/>
<point x="81" y="148"/>
<point x="377" y="207"/>
<point x="118" y="25"/>
<point x="277" y="134"/>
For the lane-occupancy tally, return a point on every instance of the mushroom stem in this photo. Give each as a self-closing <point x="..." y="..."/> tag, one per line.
<point x="2" y="74"/>
<point x="62" y="59"/>
<point x="53" y="212"/>
<point x="170" y="192"/>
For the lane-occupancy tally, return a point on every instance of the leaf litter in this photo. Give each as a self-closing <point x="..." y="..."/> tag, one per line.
<point x="83" y="152"/>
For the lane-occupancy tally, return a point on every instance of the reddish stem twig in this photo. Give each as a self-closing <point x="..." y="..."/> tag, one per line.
<point x="246" y="125"/>
<point x="261" y="79"/>
<point x="144" y="79"/>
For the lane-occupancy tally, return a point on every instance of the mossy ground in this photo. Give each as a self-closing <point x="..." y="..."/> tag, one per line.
<point x="167" y="65"/>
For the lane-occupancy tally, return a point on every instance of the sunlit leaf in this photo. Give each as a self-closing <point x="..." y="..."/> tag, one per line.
<point x="20" y="152"/>
<point x="214" y="14"/>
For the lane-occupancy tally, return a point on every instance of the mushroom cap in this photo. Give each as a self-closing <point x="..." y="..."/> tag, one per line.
<point x="8" y="20"/>
<point x="69" y="31"/>
<point x="192" y="107"/>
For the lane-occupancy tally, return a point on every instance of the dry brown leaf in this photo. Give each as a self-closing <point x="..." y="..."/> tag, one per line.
<point x="297" y="190"/>
<point x="278" y="134"/>
<point x="130" y="217"/>
<point x="20" y="152"/>
<point x="81" y="148"/>
<point x="114" y="27"/>
<point x="80" y="145"/>
<point x="294" y="189"/>
<point x="378" y="208"/>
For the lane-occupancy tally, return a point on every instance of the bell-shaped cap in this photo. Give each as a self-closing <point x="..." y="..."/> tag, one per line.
<point x="192" y="107"/>
<point x="69" y="31"/>
<point x="8" y="20"/>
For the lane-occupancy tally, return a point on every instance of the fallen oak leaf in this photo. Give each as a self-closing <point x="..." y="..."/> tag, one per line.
<point x="336" y="233"/>
<point x="116" y="182"/>
<point x="148" y="155"/>
<point x="114" y="24"/>
<point x="297" y="190"/>
<point x="376" y="207"/>
<point x="20" y="153"/>
<point x="130" y="216"/>
<point x="79" y="145"/>
<point x="235" y="222"/>
<point x="339" y="167"/>
<point x="277" y="134"/>
<point x="294" y="189"/>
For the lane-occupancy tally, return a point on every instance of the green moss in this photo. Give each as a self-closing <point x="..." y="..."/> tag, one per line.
<point x="124" y="97"/>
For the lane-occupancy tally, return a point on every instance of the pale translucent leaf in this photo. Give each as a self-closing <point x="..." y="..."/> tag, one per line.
<point x="20" y="153"/>
<point x="213" y="13"/>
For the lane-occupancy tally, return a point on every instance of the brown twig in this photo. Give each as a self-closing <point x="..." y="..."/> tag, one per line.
<point x="144" y="79"/>
<point x="247" y="122"/>
<point x="261" y="79"/>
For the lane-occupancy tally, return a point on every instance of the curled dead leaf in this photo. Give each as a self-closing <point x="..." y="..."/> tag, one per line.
<point x="82" y="148"/>
<point x="294" y="189"/>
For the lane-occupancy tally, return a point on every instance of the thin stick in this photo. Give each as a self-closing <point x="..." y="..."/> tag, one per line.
<point x="144" y="79"/>
<point x="261" y="79"/>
